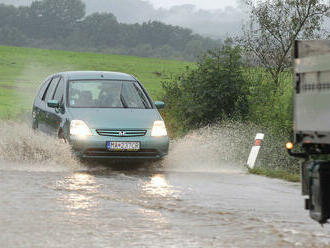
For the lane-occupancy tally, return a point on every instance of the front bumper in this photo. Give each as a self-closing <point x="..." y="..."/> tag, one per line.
<point x="94" y="147"/>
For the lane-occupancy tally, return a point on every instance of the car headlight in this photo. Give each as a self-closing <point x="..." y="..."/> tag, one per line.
<point x="159" y="129"/>
<point x="79" y="128"/>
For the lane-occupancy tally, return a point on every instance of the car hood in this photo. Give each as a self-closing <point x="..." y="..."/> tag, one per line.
<point x="97" y="118"/>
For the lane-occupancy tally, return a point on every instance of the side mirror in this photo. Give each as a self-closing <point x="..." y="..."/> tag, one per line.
<point x="159" y="104"/>
<point x="53" y="104"/>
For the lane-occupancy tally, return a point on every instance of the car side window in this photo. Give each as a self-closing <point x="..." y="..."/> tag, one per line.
<point x="43" y="88"/>
<point x="59" y="91"/>
<point x="46" y="89"/>
<point x="50" y="90"/>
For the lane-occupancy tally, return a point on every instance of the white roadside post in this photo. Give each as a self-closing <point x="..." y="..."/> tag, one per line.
<point x="255" y="150"/>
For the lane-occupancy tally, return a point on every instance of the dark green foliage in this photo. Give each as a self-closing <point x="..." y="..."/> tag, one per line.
<point x="213" y="91"/>
<point x="62" y="24"/>
<point x="51" y="19"/>
<point x="101" y="29"/>
<point x="7" y="14"/>
<point x="269" y="109"/>
<point x="12" y="36"/>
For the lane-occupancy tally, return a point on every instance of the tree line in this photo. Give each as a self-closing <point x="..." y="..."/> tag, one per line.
<point x="63" y="24"/>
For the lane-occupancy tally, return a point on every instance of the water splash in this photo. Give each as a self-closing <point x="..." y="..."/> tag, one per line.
<point x="21" y="148"/>
<point x="225" y="147"/>
<point x="221" y="147"/>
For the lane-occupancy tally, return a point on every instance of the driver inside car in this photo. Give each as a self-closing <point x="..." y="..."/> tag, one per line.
<point x="109" y="96"/>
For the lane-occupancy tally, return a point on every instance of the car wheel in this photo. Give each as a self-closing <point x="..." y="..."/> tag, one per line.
<point x="61" y="137"/>
<point x="34" y="125"/>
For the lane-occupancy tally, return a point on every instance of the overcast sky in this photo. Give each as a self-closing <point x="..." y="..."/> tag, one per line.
<point x="202" y="4"/>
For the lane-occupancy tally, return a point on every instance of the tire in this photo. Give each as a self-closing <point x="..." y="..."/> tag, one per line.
<point x="61" y="137"/>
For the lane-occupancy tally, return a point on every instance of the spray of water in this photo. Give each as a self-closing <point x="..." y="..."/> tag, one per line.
<point x="221" y="147"/>
<point x="21" y="148"/>
<point x="225" y="147"/>
<point x="218" y="148"/>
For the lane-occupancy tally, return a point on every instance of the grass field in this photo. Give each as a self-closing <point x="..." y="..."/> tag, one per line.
<point x="22" y="70"/>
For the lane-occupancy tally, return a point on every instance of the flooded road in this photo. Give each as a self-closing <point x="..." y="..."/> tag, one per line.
<point x="195" y="198"/>
<point x="103" y="207"/>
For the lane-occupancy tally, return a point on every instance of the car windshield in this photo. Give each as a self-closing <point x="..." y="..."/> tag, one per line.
<point x="107" y="94"/>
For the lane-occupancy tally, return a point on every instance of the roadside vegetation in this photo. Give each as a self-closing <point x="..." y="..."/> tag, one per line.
<point x="277" y="173"/>
<point x="215" y="90"/>
<point x="225" y="93"/>
<point x="250" y="81"/>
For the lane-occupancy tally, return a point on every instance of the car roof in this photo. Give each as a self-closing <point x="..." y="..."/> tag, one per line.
<point x="79" y="75"/>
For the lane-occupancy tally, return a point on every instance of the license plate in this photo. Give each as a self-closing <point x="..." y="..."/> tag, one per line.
<point x="123" y="146"/>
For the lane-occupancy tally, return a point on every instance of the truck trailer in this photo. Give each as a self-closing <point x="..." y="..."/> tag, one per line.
<point x="311" y="134"/>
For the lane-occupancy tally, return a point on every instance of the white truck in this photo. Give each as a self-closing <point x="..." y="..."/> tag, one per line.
<point x="312" y="124"/>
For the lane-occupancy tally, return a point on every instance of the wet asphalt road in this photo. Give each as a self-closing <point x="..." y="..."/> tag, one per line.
<point x="103" y="207"/>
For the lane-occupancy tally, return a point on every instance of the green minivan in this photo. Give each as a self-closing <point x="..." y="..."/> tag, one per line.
<point x="106" y="115"/>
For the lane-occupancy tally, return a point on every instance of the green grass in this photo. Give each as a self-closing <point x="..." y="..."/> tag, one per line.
<point x="276" y="173"/>
<point x="22" y="70"/>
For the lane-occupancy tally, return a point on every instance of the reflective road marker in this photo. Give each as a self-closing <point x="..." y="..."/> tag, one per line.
<point x="255" y="150"/>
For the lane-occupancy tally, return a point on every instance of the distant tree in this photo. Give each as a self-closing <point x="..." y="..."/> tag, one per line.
<point x="67" y="11"/>
<point x="130" y="34"/>
<point x="11" y="36"/>
<point x="54" y="18"/>
<point x="8" y="15"/>
<point x="155" y="33"/>
<point x="103" y="29"/>
<point x="158" y="34"/>
<point x="273" y="27"/>
<point x="179" y="37"/>
<point x="194" y="48"/>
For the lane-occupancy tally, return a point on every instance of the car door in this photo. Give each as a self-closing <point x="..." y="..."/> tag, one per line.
<point x="55" y="114"/>
<point x="45" y="111"/>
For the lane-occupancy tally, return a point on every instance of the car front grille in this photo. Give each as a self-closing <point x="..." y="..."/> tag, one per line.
<point x="121" y="133"/>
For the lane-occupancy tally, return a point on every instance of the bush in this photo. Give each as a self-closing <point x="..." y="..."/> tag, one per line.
<point x="213" y="91"/>
<point x="269" y="108"/>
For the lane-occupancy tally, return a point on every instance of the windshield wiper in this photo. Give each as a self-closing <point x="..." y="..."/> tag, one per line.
<point x="141" y="96"/>
<point x="122" y="99"/>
